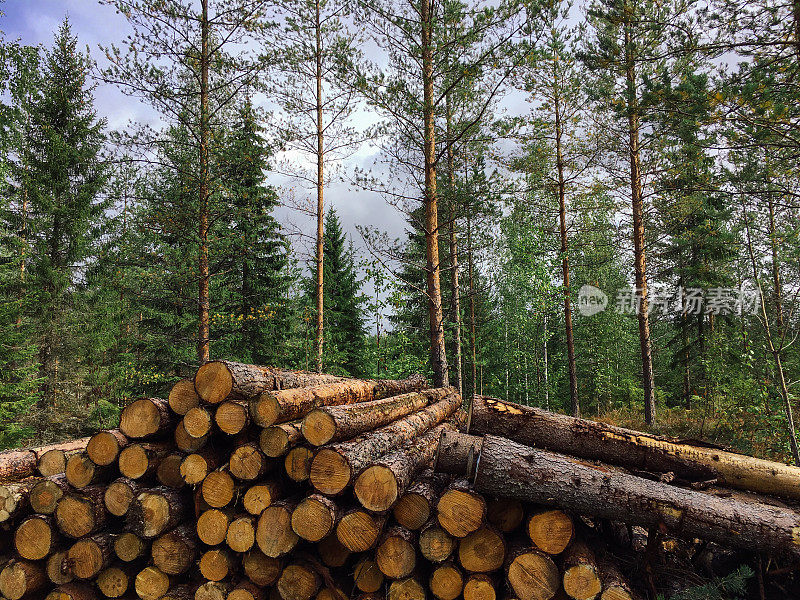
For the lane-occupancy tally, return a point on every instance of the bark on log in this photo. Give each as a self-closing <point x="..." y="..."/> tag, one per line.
<point x="155" y="511"/>
<point x="631" y="449"/>
<point x="396" y="554"/>
<point x="274" y="534"/>
<point x="335" y="467"/>
<point x="20" y="578"/>
<point x="457" y="454"/>
<point x="482" y="551"/>
<point x="83" y="513"/>
<point x="14" y="498"/>
<point x="168" y="472"/>
<point x="141" y="460"/>
<point x="532" y="574"/>
<point x="220" y="379"/>
<point x="338" y="423"/>
<point x="358" y="531"/>
<point x="35" y="537"/>
<point x="446" y="581"/>
<point x="460" y="510"/>
<point x="45" y="494"/>
<point x="615" y="586"/>
<point x="183" y="397"/>
<point x="510" y="469"/>
<point x="90" y="555"/>
<point x="277" y="440"/>
<point x="104" y="447"/>
<point x="301" y="379"/>
<point x="146" y="418"/>
<point x="581" y="577"/>
<point x="315" y="517"/>
<point x="367" y="576"/>
<point x="19" y="464"/>
<point x="416" y="506"/>
<point x="241" y="534"/>
<point x="261" y="569"/>
<point x="213" y="590"/>
<point x="175" y="551"/>
<point x="550" y="531"/>
<point x="180" y="592"/>
<point x="435" y="544"/>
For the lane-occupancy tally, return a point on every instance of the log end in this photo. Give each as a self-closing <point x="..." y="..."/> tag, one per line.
<point x="33" y="538"/>
<point x="551" y="531"/>
<point x="312" y="520"/>
<point x="231" y="417"/>
<point x="582" y="582"/>
<point x="264" y="409"/>
<point x="80" y="470"/>
<point x="330" y="472"/>
<point x="140" y="419"/>
<point x="103" y="448"/>
<point x="183" y="397"/>
<point x="376" y="488"/>
<point x="133" y="461"/>
<point x="318" y="427"/>
<point x="533" y="575"/>
<point x="412" y="511"/>
<point x="194" y="469"/>
<point x="213" y="382"/>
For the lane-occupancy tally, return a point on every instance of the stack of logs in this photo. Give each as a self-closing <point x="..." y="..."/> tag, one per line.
<point x="252" y="483"/>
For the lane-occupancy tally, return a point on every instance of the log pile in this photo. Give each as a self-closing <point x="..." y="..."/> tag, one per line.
<point x="254" y="483"/>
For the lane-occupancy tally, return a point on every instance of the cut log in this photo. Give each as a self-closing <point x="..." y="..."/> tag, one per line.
<point x="581" y="578"/>
<point x="183" y="397"/>
<point x="213" y="590"/>
<point x="232" y="417"/>
<point x="14" y="498"/>
<point x="141" y="460"/>
<point x="510" y="469"/>
<point x="261" y="569"/>
<point x="155" y="511"/>
<point x="457" y="454"/>
<point x="104" y="447"/>
<point x="186" y="443"/>
<point x="446" y="581"/>
<point x="480" y="586"/>
<point x="114" y="581"/>
<point x="217" y="489"/>
<point x="482" y="551"/>
<point x="632" y="449"/>
<point x="54" y="462"/>
<point x="35" y="537"/>
<point x="179" y="592"/>
<point x="298" y="581"/>
<point x="367" y="576"/>
<point x="248" y="462"/>
<point x="331" y="594"/>
<point x="396" y="554"/>
<point x="337" y="423"/>
<point x="550" y="531"/>
<point x="197" y="422"/>
<point x="212" y="526"/>
<point x="277" y="440"/>
<point x="247" y="590"/>
<point x="197" y="465"/>
<point x="82" y="472"/>
<point x="380" y="485"/>
<point x="218" y="380"/>
<point x="615" y="586"/>
<point x="21" y="578"/>
<point x="315" y="517"/>
<point x="416" y="506"/>
<point x="435" y="544"/>
<point x="72" y="591"/>
<point x="460" y="509"/>
<point x="274" y="534"/>
<point x="241" y="533"/>
<point x="16" y="465"/>
<point x="409" y="588"/>
<point x="119" y="494"/>
<point x="57" y="568"/>
<point x="260" y="495"/>
<point x="78" y="515"/>
<point x="332" y="552"/>
<point x="216" y="564"/>
<point x="298" y="463"/>
<point x="168" y="472"/>
<point x="129" y="547"/>
<point x="90" y="555"/>
<point x="336" y="466"/>
<point x="175" y="551"/>
<point x="301" y="379"/>
<point x="532" y="574"/>
<point x="151" y="583"/>
<point x="146" y="418"/>
<point x="45" y="494"/>
<point x="505" y="513"/>
<point x="358" y="530"/>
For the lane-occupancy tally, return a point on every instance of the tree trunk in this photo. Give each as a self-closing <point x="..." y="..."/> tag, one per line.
<point x="203" y="300"/>
<point x="510" y="469"/>
<point x="320" y="292"/>
<point x="470" y="271"/>
<point x="456" y="292"/>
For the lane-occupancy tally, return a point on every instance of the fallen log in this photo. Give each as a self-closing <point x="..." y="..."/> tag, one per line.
<point x="104" y="447"/>
<point x="277" y="440"/>
<point x="20" y="464"/>
<point x="218" y="380"/>
<point x="146" y="418"/>
<point x="506" y="468"/>
<point x="581" y="578"/>
<point x="531" y="574"/>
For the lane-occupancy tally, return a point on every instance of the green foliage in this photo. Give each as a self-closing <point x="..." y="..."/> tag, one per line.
<point x="730" y="587"/>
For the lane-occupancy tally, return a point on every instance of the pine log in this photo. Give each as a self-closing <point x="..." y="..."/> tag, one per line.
<point x="241" y="534"/>
<point x="615" y="586"/>
<point x="14" y="498"/>
<point x="216" y="564"/>
<point x="396" y="554"/>
<point x="72" y="591"/>
<point x="183" y="397"/>
<point x="315" y="517"/>
<point x="16" y="465"/>
<point x="45" y="494"/>
<point x="460" y="509"/>
<point x="35" y="537"/>
<point x="298" y="463"/>
<point x="301" y="379"/>
<point x="20" y="578"/>
<point x="104" y="447"/>
<point x="480" y="586"/>
<point x="581" y="578"/>
<point x="510" y="469"/>
<point x="114" y="581"/>
<point x="141" y="460"/>
<point x="332" y="552"/>
<point x="195" y="466"/>
<point x="418" y="503"/>
<point x="260" y="495"/>
<point x="550" y="531"/>
<point x="119" y="494"/>
<point x="274" y="534"/>
<point x="409" y="588"/>
<point x="505" y="513"/>
<point x="277" y="440"/>
<point x="83" y="513"/>
<point x="146" y="418"/>
<point x="175" y="551"/>
<point x="298" y="581"/>
<point x="248" y="462"/>
<point x="232" y="417"/>
<point x="367" y="576"/>
<point x="213" y="590"/>
<point x="185" y="442"/>
<point x="457" y="454"/>
<point x="337" y="423"/>
<point x="358" y="530"/>
<point x="482" y="551"/>
<point x="129" y="547"/>
<point x="212" y="526"/>
<point x="197" y="422"/>
<point x="380" y="485"/>
<point x="221" y="379"/>
<point x="57" y="568"/>
<point x="435" y="544"/>
<point x="247" y="590"/>
<point x="334" y="593"/>
<point x="261" y="569"/>
<point x="632" y="449"/>
<point x="90" y="555"/>
<point x="336" y="466"/>
<point x="532" y="574"/>
<point x="168" y="472"/>
<point x="155" y="511"/>
<point x="446" y="581"/>
<point x="82" y="472"/>
<point x="218" y="489"/>
<point x="151" y="583"/>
